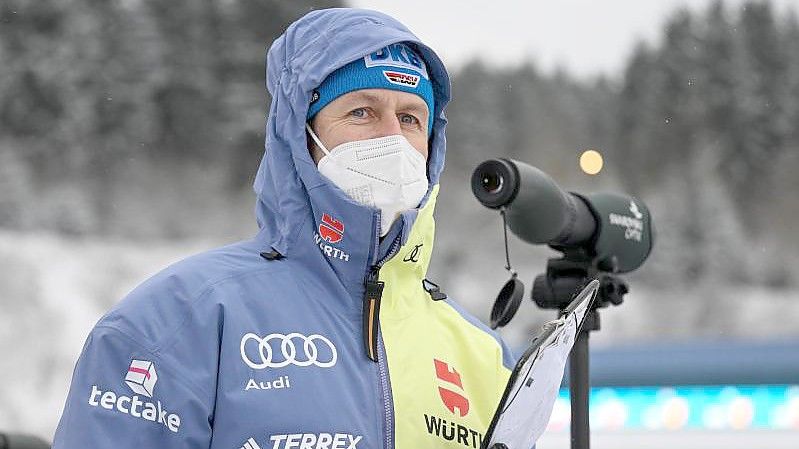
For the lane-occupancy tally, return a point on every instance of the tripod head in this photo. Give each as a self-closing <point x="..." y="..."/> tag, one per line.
<point x="568" y="275"/>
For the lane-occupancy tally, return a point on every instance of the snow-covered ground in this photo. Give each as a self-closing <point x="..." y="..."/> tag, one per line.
<point x="54" y="288"/>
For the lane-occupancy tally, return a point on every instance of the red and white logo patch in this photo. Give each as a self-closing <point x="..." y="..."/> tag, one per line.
<point x="141" y="377"/>
<point x="403" y="79"/>
<point x="330" y="229"/>
<point x="452" y="400"/>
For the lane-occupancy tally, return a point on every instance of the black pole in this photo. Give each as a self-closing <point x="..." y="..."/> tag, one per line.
<point x="554" y="289"/>
<point x="579" y="386"/>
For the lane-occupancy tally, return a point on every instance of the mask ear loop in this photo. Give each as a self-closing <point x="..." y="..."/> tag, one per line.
<point x="510" y="297"/>
<point x="316" y="139"/>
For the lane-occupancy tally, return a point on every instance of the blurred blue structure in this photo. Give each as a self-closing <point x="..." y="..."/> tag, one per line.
<point x="697" y="363"/>
<point x="731" y="385"/>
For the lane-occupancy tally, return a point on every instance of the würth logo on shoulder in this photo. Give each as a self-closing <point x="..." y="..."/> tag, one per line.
<point x="330" y="231"/>
<point x="452" y="428"/>
<point x="452" y="400"/>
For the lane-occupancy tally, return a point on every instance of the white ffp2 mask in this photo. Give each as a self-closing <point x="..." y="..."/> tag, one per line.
<point x="386" y="172"/>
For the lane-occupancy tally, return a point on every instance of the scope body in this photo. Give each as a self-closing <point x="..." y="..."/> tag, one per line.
<point x="609" y="227"/>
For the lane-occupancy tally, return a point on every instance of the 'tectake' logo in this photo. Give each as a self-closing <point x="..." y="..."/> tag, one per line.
<point x="403" y="79"/>
<point x="330" y="229"/>
<point x="452" y="400"/>
<point x="141" y="377"/>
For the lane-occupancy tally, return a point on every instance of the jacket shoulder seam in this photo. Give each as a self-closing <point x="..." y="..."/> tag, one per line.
<point x="197" y="297"/>
<point x="499" y="344"/>
<point x="196" y="389"/>
<point x="460" y="313"/>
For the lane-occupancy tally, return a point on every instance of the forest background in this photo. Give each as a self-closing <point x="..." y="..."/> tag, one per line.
<point x="130" y="133"/>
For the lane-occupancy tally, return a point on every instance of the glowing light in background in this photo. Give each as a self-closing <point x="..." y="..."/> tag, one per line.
<point x="591" y="162"/>
<point x="786" y="415"/>
<point x="709" y="407"/>
<point x="610" y="413"/>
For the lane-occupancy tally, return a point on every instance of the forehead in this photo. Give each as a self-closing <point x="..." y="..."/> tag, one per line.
<point x="380" y="97"/>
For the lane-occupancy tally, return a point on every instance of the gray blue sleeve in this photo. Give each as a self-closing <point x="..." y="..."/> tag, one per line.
<point x="125" y="396"/>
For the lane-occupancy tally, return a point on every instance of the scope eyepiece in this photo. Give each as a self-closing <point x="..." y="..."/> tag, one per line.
<point x="495" y="183"/>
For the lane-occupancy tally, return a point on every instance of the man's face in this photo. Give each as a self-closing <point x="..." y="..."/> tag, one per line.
<point x="368" y="114"/>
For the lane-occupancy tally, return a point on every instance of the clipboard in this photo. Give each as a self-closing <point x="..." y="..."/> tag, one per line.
<point x="526" y="405"/>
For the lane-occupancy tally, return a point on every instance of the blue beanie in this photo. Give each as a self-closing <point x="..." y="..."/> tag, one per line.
<point x="395" y="67"/>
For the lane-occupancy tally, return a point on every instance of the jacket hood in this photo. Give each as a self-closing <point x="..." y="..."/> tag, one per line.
<point x="291" y="193"/>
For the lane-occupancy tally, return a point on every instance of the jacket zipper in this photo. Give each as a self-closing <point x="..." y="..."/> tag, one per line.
<point x="372" y="337"/>
<point x="371" y="312"/>
<point x="388" y="410"/>
<point x="373" y="293"/>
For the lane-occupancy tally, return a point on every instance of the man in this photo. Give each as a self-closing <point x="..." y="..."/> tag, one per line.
<point x="321" y="331"/>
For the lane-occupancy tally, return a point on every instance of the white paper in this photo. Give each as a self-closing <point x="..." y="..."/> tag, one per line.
<point x="528" y="406"/>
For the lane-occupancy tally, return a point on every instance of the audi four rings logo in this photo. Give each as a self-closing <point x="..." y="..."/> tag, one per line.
<point x="294" y="349"/>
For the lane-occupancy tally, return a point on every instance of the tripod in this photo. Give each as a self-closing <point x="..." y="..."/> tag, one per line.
<point x="554" y="290"/>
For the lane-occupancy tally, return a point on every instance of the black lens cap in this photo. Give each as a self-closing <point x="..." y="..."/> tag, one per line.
<point x="508" y="301"/>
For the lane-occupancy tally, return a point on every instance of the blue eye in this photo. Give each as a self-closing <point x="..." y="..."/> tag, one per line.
<point x="408" y="119"/>
<point x="359" y="112"/>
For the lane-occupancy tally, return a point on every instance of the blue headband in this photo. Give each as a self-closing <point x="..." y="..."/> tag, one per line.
<point x="395" y="67"/>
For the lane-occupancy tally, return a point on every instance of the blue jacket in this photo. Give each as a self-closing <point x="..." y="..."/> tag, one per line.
<point x="314" y="333"/>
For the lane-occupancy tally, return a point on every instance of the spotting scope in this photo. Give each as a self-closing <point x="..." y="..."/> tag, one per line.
<point x="610" y="227"/>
